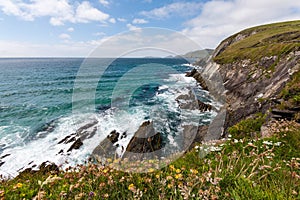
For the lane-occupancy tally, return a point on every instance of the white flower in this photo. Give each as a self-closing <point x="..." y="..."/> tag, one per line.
<point x="229" y="135"/>
<point x="235" y="141"/>
<point x="277" y="144"/>
<point x="267" y="143"/>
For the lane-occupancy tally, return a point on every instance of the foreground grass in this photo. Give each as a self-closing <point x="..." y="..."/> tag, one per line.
<point x="232" y="169"/>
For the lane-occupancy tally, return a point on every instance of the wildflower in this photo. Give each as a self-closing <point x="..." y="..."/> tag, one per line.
<point x="169" y="186"/>
<point x="91" y="194"/>
<point x="178" y="176"/>
<point x="172" y="167"/>
<point x="178" y="171"/>
<point x="151" y="170"/>
<point x="105" y="171"/>
<point x="169" y="178"/>
<point x="131" y="187"/>
<point x="157" y="176"/>
<point x="235" y="141"/>
<point x="19" y="185"/>
<point x="106" y="195"/>
<point x="267" y="143"/>
<point x="277" y="144"/>
<point x="194" y="171"/>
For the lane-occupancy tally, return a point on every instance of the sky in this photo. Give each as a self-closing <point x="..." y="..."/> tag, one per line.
<point x="75" y="28"/>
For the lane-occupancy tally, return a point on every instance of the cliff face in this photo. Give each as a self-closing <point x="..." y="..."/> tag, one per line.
<point x="256" y="66"/>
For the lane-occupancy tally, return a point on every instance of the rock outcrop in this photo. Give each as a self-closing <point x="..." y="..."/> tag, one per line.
<point x="107" y="148"/>
<point x="252" y="80"/>
<point x="144" y="144"/>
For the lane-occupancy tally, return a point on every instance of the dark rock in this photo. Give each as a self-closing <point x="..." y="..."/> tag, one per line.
<point x="47" y="167"/>
<point x="76" y="145"/>
<point x="65" y="140"/>
<point x="144" y="143"/>
<point x="283" y="114"/>
<point x="1" y="163"/>
<point x="107" y="149"/>
<point x="6" y="155"/>
<point x="197" y="76"/>
<point x="189" y="101"/>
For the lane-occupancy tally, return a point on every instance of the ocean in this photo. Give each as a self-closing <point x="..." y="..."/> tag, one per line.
<point x="43" y="100"/>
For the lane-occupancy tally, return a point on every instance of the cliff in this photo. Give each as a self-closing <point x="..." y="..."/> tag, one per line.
<point x="257" y="71"/>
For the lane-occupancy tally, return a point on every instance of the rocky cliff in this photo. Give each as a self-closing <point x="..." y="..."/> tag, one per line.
<point x="259" y="71"/>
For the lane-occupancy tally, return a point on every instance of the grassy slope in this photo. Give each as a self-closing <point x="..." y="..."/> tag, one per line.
<point x="236" y="169"/>
<point x="267" y="40"/>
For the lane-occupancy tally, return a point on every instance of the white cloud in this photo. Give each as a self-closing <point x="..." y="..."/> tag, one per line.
<point x="174" y="9"/>
<point x="139" y="21"/>
<point x="220" y="19"/>
<point x="104" y="2"/>
<point x="59" y="11"/>
<point x="121" y="20"/>
<point x="112" y="20"/>
<point x="132" y="27"/>
<point x="71" y="29"/>
<point x="64" y="36"/>
<point x="85" y="13"/>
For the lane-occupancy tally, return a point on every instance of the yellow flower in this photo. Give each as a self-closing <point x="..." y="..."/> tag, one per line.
<point x="157" y="176"/>
<point x="194" y="171"/>
<point x="169" y="186"/>
<point x="105" y="171"/>
<point x="172" y="167"/>
<point x="178" y="171"/>
<point x="131" y="187"/>
<point x="151" y="170"/>
<point x="109" y="160"/>
<point x="178" y="176"/>
<point x="18" y="185"/>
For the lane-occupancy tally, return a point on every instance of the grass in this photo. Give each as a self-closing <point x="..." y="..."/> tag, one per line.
<point x="291" y="92"/>
<point x="263" y="41"/>
<point x="232" y="169"/>
<point x="248" y="128"/>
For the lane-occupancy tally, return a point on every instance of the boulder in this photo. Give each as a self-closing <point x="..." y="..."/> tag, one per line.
<point x="144" y="143"/>
<point x="107" y="149"/>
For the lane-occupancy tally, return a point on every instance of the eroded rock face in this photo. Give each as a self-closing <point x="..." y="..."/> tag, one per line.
<point x="144" y="142"/>
<point x="248" y="89"/>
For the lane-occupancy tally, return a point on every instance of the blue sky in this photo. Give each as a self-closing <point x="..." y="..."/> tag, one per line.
<point x="74" y="27"/>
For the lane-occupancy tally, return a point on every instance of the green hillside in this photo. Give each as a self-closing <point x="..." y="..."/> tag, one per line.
<point x="258" y="42"/>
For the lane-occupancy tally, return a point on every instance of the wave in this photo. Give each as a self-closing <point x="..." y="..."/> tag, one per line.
<point x="43" y="144"/>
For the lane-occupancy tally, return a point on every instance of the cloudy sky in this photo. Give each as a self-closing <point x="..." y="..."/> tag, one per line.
<point x="74" y="27"/>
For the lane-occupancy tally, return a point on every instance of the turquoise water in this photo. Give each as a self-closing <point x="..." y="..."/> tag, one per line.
<point x="39" y="97"/>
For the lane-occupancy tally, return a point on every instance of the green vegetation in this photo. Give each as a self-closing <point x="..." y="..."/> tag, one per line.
<point x="291" y="92"/>
<point x="268" y="40"/>
<point x="248" y="128"/>
<point x="232" y="169"/>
